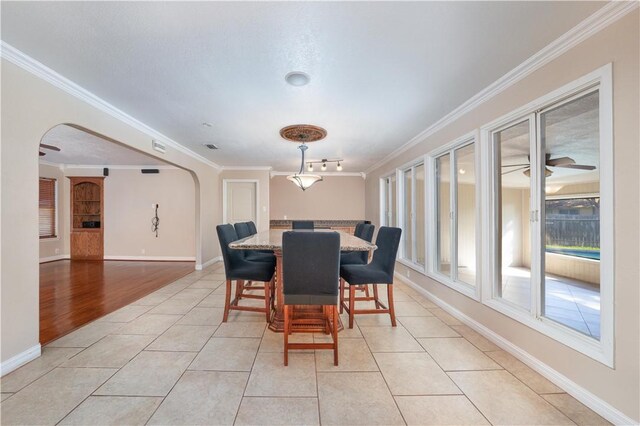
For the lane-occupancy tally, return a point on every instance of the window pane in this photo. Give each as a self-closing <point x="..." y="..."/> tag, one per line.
<point x="419" y="182"/>
<point x="407" y="201"/>
<point x="514" y="188"/>
<point x="393" y="221"/>
<point x="571" y="291"/>
<point x="47" y="208"/>
<point x="466" y="214"/>
<point x="443" y="173"/>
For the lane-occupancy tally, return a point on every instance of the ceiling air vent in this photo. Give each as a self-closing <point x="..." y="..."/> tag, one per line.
<point x="158" y="146"/>
<point x="211" y="146"/>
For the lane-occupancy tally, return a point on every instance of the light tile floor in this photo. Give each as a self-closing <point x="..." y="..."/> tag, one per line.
<point x="167" y="359"/>
<point x="573" y="303"/>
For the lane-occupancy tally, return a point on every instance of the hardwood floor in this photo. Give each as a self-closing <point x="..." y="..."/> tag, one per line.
<point x="73" y="293"/>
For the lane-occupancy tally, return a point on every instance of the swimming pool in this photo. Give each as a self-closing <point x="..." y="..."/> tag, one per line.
<point x="587" y="254"/>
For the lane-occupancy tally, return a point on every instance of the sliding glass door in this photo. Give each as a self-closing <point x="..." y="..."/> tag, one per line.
<point x="570" y="213"/>
<point x="514" y="150"/>
<point x="454" y="177"/>
<point x="547" y="213"/>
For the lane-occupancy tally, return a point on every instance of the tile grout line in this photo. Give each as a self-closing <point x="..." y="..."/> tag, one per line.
<point x="88" y="396"/>
<point x="244" y="391"/>
<point x="384" y="379"/>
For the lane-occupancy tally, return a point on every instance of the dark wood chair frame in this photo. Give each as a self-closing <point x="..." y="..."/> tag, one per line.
<point x="349" y="304"/>
<point x="241" y="289"/>
<point x="330" y="313"/>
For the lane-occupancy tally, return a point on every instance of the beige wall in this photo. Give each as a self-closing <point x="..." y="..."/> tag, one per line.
<point x="59" y="246"/>
<point x="128" y="197"/>
<point x="618" y="44"/>
<point x="336" y="197"/>
<point x="30" y="107"/>
<point x="262" y="176"/>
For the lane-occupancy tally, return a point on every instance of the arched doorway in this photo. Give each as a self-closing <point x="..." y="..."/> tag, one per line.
<point x="116" y="225"/>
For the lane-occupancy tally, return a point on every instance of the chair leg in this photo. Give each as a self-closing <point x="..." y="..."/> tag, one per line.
<point x="267" y="300"/>
<point x="366" y="290"/>
<point x="227" y="301"/>
<point x="334" y="331"/>
<point x="239" y="288"/>
<point x="352" y="302"/>
<point x="341" y="294"/>
<point x="287" y="325"/>
<point x="375" y="296"/>
<point x="392" y="311"/>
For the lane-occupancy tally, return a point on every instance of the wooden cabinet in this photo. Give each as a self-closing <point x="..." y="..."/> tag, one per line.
<point x="87" y="218"/>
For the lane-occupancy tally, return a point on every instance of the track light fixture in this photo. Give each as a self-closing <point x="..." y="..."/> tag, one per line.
<point x="324" y="162"/>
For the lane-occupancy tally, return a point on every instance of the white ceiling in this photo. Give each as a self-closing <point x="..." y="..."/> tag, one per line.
<point x="381" y="72"/>
<point x="79" y="147"/>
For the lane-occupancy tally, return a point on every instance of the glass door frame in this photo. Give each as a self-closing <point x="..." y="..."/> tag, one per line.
<point x="602" y="350"/>
<point x="432" y="215"/>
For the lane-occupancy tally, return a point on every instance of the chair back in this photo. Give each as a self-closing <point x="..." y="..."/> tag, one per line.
<point x="366" y="231"/>
<point x="310" y="267"/>
<point x="242" y="229"/>
<point x="302" y="224"/>
<point x="384" y="258"/>
<point x="252" y="228"/>
<point x="232" y="258"/>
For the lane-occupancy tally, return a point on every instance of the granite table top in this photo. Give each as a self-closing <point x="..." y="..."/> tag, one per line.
<point x="272" y="240"/>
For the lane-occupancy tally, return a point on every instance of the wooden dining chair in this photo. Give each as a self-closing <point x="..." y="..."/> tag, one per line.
<point x="310" y="269"/>
<point x="252" y="227"/>
<point x="244" y="271"/>
<point x="363" y="231"/>
<point x="378" y="271"/>
<point x="302" y="224"/>
<point x="243" y="230"/>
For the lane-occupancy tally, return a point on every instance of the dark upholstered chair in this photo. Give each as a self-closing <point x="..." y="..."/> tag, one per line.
<point x="365" y="232"/>
<point x="302" y="224"/>
<point x="253" y="231"/>
<point x="252" y="228"/>
<point x="310" y="272"/>
<point x="239" y="269"/>
<point x="378" y="271"/>
<point x="243" y="230"/>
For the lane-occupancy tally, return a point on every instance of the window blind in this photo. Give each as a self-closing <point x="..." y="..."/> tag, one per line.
<point x="47" y="208"/>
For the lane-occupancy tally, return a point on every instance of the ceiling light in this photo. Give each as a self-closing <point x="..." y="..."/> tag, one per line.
<point x="462" y="171"/>
<point x="297" y="78"/>
<point x="339" y="167"/>
<point x="310" y="167"/>
<point x="324" y="167"/>
<point x="302" y="180"/>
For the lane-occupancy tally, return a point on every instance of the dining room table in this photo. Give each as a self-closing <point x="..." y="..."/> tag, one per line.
<point x="307" y="318"/>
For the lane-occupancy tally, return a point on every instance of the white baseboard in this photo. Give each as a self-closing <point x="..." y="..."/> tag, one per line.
<point x="201" y="266"/>
<point x="54" y="258"/>
<point x="19" y="360"/>
<point x="162" y="258"/>
<point x="595" y="403"/>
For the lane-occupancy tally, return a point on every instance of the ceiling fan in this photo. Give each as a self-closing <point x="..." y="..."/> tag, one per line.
<point x="45" y="146"/>
<point x="565" y="162"/>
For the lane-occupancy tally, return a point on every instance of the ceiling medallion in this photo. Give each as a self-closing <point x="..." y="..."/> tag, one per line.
<point x="304" y="133"/>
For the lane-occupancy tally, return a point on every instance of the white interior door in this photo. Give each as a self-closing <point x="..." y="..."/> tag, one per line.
<point x="241" y="202"/>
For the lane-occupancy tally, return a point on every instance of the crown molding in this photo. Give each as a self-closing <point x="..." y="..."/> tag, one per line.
<point x="45" y="73"/>
<point x="328" y="174"/>
<point x="63" y="166"/>
<point x="602" y="18"/>
<point x="268" y="168"/>
<point x="119" y="167"/>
